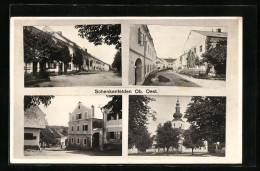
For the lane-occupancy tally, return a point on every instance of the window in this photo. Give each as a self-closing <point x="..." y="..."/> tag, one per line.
<point x="85" y="141"/>
<point x="85" y="127"/>
<point x="120" y="135"/>
<point x="72" y="140"/>
<point x="78" y="128"/>
<point x="78" y="141"/>
<point x="72" y="128"/>
<point x="120" y="116"/>
<point x="217" y="45"/>
<point x="200" y="48"/>
<point x="140" y="37"/>
<point x="111" y="135"/>
<point x="29" y="136"/>
<point x="194" y="50"/>
<point x="79" y="116"/>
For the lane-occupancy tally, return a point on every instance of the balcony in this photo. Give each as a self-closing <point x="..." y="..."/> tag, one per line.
<point x="114" y="122"/>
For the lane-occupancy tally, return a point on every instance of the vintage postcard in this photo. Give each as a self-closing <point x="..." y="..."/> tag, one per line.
<point x="126" y="90"/>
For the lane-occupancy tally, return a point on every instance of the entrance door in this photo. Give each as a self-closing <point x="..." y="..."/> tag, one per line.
<point x="95" y="141"/>
<point x="138" y="71"/>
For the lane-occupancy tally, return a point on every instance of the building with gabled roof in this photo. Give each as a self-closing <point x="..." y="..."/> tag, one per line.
<point x="34" y="121"/>
<point x="197" y="43"/>
<point x="85" y="131"/>
<point x="58" y="67"/>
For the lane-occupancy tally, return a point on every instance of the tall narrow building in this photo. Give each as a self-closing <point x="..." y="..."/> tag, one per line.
<point x="85" y="131"/>
<point x="177" y="121"/>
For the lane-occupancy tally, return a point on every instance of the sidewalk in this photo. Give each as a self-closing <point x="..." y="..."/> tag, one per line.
<point x="204" y="82"/>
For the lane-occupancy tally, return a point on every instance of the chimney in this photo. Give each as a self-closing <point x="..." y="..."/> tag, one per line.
<point x="79" y="104"/>
<point x="59" y="33"/>
<point x="93" y="111"/>
<point x="218" y="30"/>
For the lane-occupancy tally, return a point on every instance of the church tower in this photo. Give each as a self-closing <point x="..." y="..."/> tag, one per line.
<point x="177" y="121"/>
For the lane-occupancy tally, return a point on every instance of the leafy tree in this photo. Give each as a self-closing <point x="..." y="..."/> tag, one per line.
<point x="167" y="136"/>
<point x="65" y="56"/>
<point x="117" y="62"/>
<point x="98" y="34"/>
<point x="192" y="139"/>
<point x="209" y="115"/>
<point x="143" y="139"/>
<point x="139" y="112"/>
<point x="78" y="58"/>
<point x="115" y="104"/>
<point x="38" y="46"/>
<point x="216" y="56"/>
<point x="36" y="100"/>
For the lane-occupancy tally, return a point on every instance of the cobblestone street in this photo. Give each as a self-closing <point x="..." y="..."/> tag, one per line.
<point x="85" y="79"/>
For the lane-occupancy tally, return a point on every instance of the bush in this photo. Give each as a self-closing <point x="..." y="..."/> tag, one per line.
<point x="28" y="76"/>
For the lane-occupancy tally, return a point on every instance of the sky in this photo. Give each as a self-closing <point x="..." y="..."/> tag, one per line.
<point x="57" y="113"/>
<point x="165" y="108"/>
<point x="104" y="52"/>
<point x="169" y="40"/>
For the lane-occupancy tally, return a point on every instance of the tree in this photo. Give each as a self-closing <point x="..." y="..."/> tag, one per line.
<point x="167" y="137"/>
<point x="139" y="112"/>
<point x="38" y="47"/>
<point x="143" y="139"/>
<point x="115" y="105"/>
<point x="36" y="100"/>
<point x="216" y="56"/>
<point x="65" y="56"/>
<point x="192" y="139"/>
<point x="98" y="34"/>
<point x="209" y="115"/>
<point x="78" y="58"/>
<point x="117" y="65"/>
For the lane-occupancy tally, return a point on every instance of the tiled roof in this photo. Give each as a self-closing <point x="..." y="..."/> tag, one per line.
<point x="169" y="59"/>
<point x="56" y="134"/>
<point x="34" y="118"/>
<point x="211" y="33"/>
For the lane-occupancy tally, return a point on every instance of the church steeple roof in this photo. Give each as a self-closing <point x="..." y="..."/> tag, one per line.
<point x="177" y="115"/>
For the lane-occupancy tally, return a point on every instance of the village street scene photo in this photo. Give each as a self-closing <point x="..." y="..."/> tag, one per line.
<point x="186" y="56"/>
<point x="177" y="126"/>
<point x="73" y="125"/>
<point x="73" y="55"/>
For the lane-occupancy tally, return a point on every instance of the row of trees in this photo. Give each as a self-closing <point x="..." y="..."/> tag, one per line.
<point x="42" y="47"/>
<point x="109" y="34"/>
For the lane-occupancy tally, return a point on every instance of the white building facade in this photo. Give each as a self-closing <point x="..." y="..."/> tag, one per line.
<point x="196" y="44"/>
<point x="142" y="54"/>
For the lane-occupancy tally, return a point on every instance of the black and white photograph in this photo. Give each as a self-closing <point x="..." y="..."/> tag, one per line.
<point x="185" y="56"/>
<point x="190" y="126"/>
<point x="76" y="55"/>
<point x="85" y="126"/>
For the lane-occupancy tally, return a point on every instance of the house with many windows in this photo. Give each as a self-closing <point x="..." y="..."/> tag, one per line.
<point x="197" y="43"/>
<point x="55" y="67"/>
<point x="34" y="121"/>
<point x="112" y="130"/>
<point x="142" y="54"/>
<point x="85" y="131"/>
<point x="170" y="63"/>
